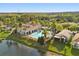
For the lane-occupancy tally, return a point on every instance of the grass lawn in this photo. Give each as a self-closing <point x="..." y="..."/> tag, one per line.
<point x="63" y="49"/>
<point x="21" y="40"/>
<point x="3" y="34"/>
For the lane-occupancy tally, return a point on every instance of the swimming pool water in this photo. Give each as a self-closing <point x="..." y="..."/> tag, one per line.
<point x="37" y="34"/>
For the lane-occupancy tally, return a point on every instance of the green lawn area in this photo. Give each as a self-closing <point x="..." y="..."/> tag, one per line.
<point x="4" y="34"/>
<point x="63" y="49"/>
<point x="21" y="40"/>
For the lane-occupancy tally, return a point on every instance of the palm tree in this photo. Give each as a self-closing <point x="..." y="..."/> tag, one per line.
<point x="45" y="33"/>
<point x="14" y="20"/>
<point x="53" y="28"/>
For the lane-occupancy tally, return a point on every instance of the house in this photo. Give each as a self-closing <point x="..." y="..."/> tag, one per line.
<point x="8" y="27"/>
<point x="27" y="29"/>
<point x="63" y="36"/>
<point x="4" y="27"/>
<point x="75" y="41"/>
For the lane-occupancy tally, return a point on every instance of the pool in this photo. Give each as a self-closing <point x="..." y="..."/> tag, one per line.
<point x="37" y="34"/>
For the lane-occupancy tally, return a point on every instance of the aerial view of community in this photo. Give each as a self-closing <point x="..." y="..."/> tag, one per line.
<point x="39" y="33"/>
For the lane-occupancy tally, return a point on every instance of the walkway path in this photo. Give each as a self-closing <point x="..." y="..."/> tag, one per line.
<point x="48" y="53"/>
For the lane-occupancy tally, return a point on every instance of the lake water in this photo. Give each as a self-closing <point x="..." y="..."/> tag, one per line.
<point x="11" y="48"/>
<point x="8" y="49"/>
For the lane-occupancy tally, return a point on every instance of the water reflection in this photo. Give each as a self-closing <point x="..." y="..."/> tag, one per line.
<point x="10" y="43"/>
<point x="11" y="48"/>
<point x="0" y="41"/>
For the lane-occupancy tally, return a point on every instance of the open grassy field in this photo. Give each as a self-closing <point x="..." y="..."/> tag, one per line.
<point x="4" y="35"/>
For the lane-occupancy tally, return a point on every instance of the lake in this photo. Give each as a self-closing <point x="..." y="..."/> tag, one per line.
<point x="11" y="48"/>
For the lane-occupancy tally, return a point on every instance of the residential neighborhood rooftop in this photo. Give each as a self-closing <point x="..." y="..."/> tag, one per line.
<point x="30" y="26"/>
<point x="76" y="37"/>
<point x="66" y="33"/>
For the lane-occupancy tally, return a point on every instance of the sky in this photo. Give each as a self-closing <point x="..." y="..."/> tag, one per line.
<point x="38" y="7"/>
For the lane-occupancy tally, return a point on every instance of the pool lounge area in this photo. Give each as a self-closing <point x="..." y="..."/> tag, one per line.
<point x="38" y="34"/>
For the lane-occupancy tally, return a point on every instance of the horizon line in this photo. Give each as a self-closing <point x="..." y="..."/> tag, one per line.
<point x="36" y="11"/>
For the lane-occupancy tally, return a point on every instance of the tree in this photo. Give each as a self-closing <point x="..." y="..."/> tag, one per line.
<point x="14" y="21"/>
<point x="59" y="27"/>
<point x="45" y="32"/>
<point x="41" y="40"/>
<point x="8" y="21"/>
<point x="73" y="27"/>
<point x="20" y="24"/>
<point x="42" y="22"/>
<point x="53" y="27"/>
<point x="53" y="24"/>
<point x="34" y="22"/>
